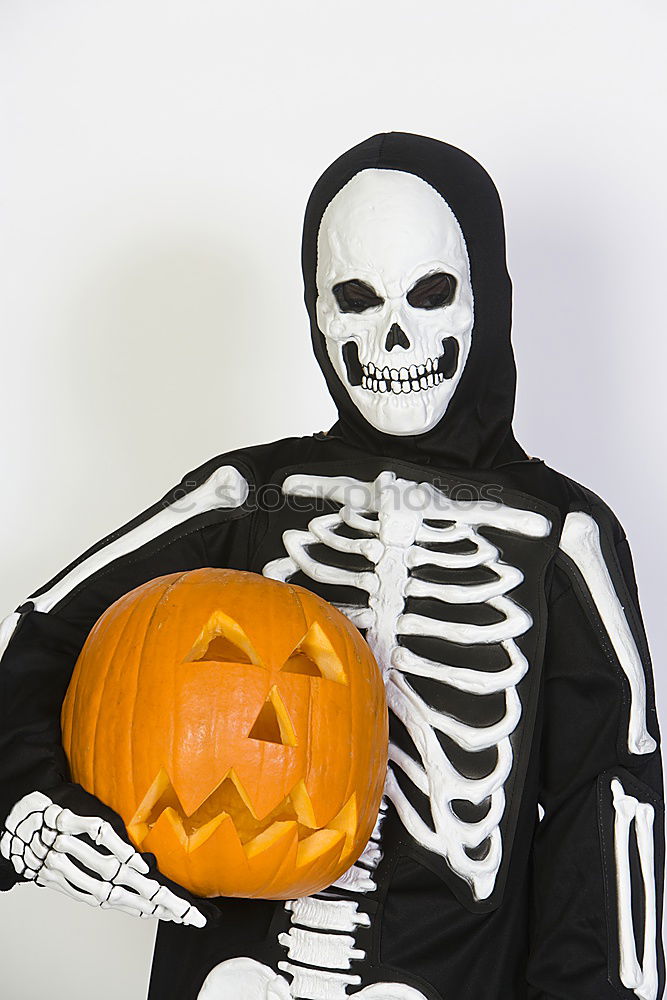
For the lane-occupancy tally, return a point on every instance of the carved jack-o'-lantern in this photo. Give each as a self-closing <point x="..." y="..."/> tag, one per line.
<point x="239" y="727"/>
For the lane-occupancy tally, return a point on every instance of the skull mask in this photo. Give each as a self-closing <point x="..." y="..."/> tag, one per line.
<point x="395" y="300"/>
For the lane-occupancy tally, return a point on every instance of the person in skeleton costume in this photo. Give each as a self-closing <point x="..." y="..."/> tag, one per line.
<point x="518" y="851"/>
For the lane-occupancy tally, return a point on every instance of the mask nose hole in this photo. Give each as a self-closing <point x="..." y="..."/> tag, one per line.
<point x="396" y="338"/>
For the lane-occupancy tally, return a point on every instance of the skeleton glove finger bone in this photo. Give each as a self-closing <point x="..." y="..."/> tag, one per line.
<point x="45" y="843"/>
<point x="120" y="885"/>
<point x="53" y="880"/>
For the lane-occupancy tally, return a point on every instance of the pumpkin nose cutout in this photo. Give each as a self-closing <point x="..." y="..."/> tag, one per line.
<point x="396" y="338"/>
<point x="273" y="724"/>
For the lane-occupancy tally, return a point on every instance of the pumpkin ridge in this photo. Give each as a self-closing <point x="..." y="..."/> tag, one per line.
<point x="131" y="730"/>
<point x="134" y="611"/>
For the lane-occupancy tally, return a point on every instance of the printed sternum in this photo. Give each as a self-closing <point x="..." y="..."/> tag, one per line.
<point x="386" y="603"/>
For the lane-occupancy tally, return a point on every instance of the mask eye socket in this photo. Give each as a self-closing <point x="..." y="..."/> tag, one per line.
<point x="432" y="291"/>
<point x="356" y="296"/>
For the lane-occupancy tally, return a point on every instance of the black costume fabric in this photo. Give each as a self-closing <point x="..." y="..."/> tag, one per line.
<point x="550" y="928"/>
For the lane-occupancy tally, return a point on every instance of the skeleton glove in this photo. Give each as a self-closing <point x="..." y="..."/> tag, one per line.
<point x="84" y="857"/>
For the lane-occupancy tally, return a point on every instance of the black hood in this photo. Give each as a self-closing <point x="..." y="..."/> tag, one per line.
<point x="476" y="430"/>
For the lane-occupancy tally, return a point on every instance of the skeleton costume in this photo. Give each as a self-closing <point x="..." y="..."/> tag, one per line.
<point x="518" y="851"/>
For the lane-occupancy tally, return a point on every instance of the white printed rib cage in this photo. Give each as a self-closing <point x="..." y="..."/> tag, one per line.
<point x="394" y="529"/>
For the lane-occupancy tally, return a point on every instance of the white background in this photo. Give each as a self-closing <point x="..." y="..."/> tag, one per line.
<point x="156" y="160"/>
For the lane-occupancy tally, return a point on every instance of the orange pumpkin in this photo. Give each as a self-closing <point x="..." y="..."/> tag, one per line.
<point x="239" y="727"/>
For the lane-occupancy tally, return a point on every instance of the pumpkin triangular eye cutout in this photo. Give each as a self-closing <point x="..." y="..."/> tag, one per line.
<point x="316" y="657"/>
<point x="222" y="640"/>
<point x="299" y="663"/>
<point x="273" y="724"/>
<point x="223" y="650"/>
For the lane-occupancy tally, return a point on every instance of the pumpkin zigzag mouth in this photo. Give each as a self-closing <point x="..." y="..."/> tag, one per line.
<point x="229" y="801"/>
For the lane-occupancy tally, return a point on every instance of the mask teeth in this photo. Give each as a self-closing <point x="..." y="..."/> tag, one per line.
<point x="400" y="380"/>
